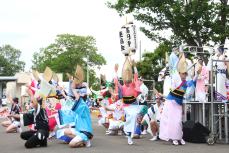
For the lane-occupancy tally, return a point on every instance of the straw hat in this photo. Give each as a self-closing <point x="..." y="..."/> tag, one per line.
<point x="103" y="78"/>
<point x="35" y="74"/>
<point x="103" y="81"/>
<point x="166" y="57"/>
<point x="182" y="65"/>
<point x="70" y="76"/>
<point x="55" y="77"/>
<point x="127" y="72"/>
<point x="79" y="75"/>
<point x="47" y="74"/>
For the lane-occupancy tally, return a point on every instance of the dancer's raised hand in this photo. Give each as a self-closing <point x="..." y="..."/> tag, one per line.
<point x="116" y="67"/>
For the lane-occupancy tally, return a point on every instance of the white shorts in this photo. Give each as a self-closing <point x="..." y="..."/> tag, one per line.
<point x="73" y="130"/>
<point x="16" y="123"/>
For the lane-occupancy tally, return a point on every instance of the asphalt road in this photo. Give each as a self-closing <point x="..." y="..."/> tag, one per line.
<point x="11" y="143"/>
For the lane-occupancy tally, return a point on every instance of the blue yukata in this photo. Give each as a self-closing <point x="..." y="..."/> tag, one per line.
<point x="83" y="126"/>
<point x="80" y="113"/>
<point x="78" y="117"/>
<point x="66" y="116"/>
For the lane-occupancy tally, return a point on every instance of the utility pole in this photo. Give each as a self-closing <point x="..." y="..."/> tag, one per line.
<point x="88" y="70"/>
<point x="140" y="51"/>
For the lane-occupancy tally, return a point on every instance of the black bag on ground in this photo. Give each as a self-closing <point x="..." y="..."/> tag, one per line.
<point x="195" y="132"/>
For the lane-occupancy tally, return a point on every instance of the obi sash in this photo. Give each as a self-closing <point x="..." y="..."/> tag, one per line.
<point x="167" y="71"/>
<point x="177" y="94"/>
<point x="129" y="99"/>
<point x="221" y="71"/>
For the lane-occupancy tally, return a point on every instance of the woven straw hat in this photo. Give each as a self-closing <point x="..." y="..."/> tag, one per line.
<point x="103" y="77"/>
<point x="182" y="65"/>
<point x="47" y="74"/>
<point x="166" y="57"/>
<point x="103" y="80"/>
<point x="127" y="72"/>
<point x="79" y="75"/>
<point x="55" y="77"/>
<point x="69" y="75"/>
<point x="35" y="74"/>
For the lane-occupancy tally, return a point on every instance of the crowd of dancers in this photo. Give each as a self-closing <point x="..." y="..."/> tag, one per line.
<point x="122" y="104"/>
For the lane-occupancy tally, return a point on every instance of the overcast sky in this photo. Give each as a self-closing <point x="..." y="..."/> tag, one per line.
<point x="32" y="24"/>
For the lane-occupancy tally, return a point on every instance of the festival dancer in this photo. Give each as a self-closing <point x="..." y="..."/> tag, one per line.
<point x="164" y="76"/>
<point x="106" y="112"/>
<point x="107" y="97"/>
<point x="169" y="71"/>
<point x="130" y="91"/>
<point x="221" y="67"/>
<point x="201" y="81"/>
<point x="52" y="111"/>
<point x="171" y="117"/>
<point x="173" y="60"/>
<point x="39" y="118"/>
<point x="81" y="134"/>
<point x="34" y="85"/>
<point x="117" y="120"/>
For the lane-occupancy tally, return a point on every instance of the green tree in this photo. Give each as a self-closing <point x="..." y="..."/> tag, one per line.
<point x="66" y="52"/>
<point x="9" y="61"/>
<point x="196" y="23"/>
<point x="153" y="63"/>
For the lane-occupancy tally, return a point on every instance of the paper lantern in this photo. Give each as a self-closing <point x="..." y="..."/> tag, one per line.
<point x="123" y="41"/>
<point x="131" y="38"/>
<point x="128" y="39"/>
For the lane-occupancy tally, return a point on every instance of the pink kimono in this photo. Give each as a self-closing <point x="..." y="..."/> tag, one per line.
<point x="131" y="107"/>
<point x="132" y="89"/>
<point x="201" y="81"/>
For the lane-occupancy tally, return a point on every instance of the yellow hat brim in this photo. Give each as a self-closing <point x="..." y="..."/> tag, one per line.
<point x="47" y="74"/>
<point x="79" y="75"/>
